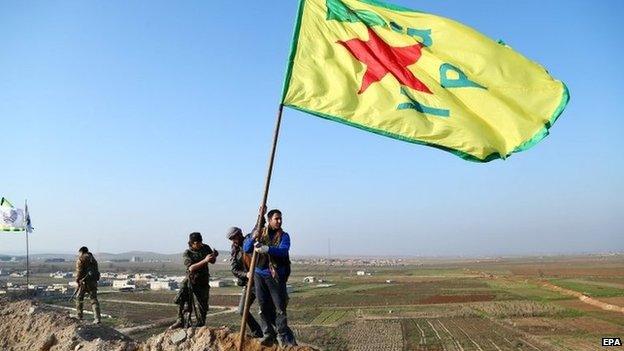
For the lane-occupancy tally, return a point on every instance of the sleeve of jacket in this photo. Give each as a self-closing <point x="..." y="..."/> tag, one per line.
<point x="248" y="244"/>
<point x="80" y="268"/>
<point x="237" y="266"/>
<point x="186" y="259"/>
<point x="282" y="249"/>
<point x="209" y="249"/>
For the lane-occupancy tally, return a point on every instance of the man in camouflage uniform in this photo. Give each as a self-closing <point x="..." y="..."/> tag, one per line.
<point x="196" y="284"/>
<point x="87" y="276"/>
<point x="239" y="263"/>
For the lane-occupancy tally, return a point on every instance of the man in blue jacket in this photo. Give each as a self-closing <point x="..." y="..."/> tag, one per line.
<point x="271" y="274"/>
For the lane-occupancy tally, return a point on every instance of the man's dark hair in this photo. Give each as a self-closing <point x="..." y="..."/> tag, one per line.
<point x="272" y="212"/>
<point x="83" y="250"/>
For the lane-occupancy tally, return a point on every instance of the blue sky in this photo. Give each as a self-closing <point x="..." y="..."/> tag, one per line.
<point x="128" y="125"/>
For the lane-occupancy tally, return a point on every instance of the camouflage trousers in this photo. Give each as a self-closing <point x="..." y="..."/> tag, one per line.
<point x="91" y="289"/>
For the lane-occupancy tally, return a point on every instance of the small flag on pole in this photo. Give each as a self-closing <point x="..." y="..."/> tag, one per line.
<point x="29" y="227"/>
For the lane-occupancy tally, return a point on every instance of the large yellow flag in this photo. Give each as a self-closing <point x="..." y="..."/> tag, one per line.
<point x="418" y="77"/>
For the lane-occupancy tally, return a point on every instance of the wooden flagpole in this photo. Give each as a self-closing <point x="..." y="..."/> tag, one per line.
<point x="254" y="257"/>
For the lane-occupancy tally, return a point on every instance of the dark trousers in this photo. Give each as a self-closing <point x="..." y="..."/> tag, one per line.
<point x="201" y="298"/>
<point x="273" y="300"/>
<point x="254" y="327"/>
<point x="200" y="305"/>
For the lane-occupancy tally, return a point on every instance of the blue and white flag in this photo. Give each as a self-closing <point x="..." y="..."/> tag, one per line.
<point x="11" y="219"/>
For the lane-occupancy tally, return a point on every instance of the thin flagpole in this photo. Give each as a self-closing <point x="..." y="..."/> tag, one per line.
<point x="254" y="257"/>
<point x="28" y="227"/>
<point x="27" y="265"/>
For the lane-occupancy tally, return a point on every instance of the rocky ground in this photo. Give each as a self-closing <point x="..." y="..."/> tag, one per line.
<point x="27" y="325"/>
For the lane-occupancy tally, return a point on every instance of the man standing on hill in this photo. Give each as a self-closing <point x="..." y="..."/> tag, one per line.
<point x="240" y="262"/>
<point x="87" y="276"/>
<point x="271" y="274"/>
<point x="196" y="284"/>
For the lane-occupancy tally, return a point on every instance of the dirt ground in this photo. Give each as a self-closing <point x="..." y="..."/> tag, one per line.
<point x="27" y="325"/>
<point x="585" y="325"/>
<point x="619" y="301"/>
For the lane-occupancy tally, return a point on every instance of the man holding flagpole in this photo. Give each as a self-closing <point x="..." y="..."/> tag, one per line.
<point x="272" y="245"/>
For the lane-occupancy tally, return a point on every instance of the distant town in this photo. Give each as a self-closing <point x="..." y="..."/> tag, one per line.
<point x="132" y="281"/>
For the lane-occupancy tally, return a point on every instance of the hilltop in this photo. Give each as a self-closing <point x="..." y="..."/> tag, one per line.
<point x="29" y="325"/>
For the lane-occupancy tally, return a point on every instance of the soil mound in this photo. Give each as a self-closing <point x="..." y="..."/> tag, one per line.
<point x="203" y="339"/>
<point x="27" y="325"/>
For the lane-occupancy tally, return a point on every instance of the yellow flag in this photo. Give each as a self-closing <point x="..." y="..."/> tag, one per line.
<point x="418" y="77"/>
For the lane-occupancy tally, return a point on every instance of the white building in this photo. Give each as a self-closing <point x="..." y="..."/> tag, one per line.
<point x="144" y="276"/>
<point x="62" y="288"/>
<point x="309" y="279"/>
<point x="162" y="285"/>
<point x="108" y="275"/>
<point x="220" y="283"/>
<point x="361" y="273"/>
<point x="178" y="279"/>
<point x="124" y="284"/>
<point x="61" y="275"/>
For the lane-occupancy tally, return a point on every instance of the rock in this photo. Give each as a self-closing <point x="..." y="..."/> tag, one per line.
<point x="48" y="343"/>
<point x="178" y="337"/>
<point x="32" y="310"/>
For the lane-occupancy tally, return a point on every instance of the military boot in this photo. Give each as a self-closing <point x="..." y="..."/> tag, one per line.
<point x="179" y="323"/>
<point x="267" y="340"/>
<point x="96" y="313"/>
<point x="79" y="308"/>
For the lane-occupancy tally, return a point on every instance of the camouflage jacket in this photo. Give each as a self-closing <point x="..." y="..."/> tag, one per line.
<point x="201" y="277"/>
<point x="87" y="268"/>
<point x="239" y="263"/>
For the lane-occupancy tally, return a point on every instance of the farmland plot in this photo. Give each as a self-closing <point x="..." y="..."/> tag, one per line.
<point x="376" y="335"/>
<point x="461" y="334"/>
<point x="331" y="317"/>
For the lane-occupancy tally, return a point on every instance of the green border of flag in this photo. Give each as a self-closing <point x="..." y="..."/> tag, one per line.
<point x="536" y="138"/>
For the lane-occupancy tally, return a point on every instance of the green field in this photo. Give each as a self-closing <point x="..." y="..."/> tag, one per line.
<point x="421" y="305"/>
<point x="591" y="287"/>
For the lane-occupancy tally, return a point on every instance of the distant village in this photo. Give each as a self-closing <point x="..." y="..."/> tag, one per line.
<point x="370" y="262"/>
<point x="117" y="281"/>
<point x="152" y="281"/>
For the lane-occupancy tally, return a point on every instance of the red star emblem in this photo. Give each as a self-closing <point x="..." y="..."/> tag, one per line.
<point x="381" y="59"/>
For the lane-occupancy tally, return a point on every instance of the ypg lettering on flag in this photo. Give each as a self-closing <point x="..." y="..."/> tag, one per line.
<point x="381" y="58"/>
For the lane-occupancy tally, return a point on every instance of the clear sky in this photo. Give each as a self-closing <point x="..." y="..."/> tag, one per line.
<point x="129" y="124"/>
